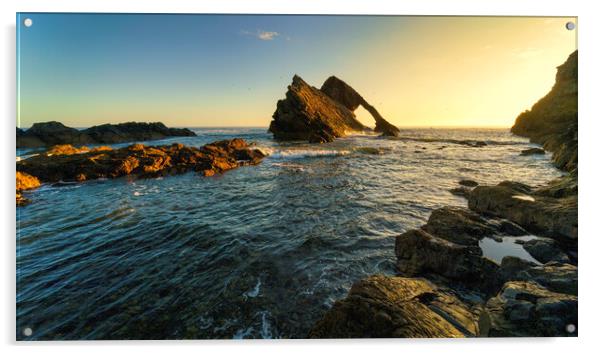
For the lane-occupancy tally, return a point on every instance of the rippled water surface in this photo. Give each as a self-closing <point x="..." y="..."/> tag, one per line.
<point x="259" y="252"/>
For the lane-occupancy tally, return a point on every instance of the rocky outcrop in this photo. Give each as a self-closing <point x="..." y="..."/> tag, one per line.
<point x="536" y="212"/>
<point x="525" y="309"/>
<point x="396" y="307"/>
<point x="552" y="121"/>
<point x="546" y="250"/>
<point x="533" y="151"/>
<point x="25" y="182"/>
<point x="339" y="91"/>
<point x="141" y="161"/>
<point x="55" y="133"/>
<point x="321" y="115"/>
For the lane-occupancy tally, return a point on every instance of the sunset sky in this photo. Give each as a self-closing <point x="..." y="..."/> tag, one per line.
<point x="209" y="70"/>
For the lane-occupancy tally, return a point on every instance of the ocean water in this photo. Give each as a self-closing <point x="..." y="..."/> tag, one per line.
<point x="258" y="252"/>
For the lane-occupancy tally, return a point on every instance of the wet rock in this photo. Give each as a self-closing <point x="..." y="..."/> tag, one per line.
<point x="55" y="133"/>
<point x="553" y="217"/>
<point x="461" y="191"/>
<point x="533" y="151"/>
<point x="552" y="121"/>
<point x="525" y="309"/>
<point x="141" y="161"/>
<point x="67" y="149"/>
<point x="25" y="182"/>
<point x="422" y="254"/>
<point x="468" y="183"/>
<point x="545" y="250"/>
<point x="396" y="307"/>
<point x="370" y="150"/>
<point x="458" y="225"/>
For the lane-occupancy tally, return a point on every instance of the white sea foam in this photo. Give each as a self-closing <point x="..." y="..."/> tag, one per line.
<point x="526" y="198"/>
<point x="304" y="153"/>
<point x="253" y="292"/>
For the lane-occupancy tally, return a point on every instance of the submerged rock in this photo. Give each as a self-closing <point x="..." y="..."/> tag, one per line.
<point x="533" y="151"/>
<point x="396" y="307"/>
<point x="55" y="133"/>
<point x="468" y="183"/>
<point x="526" y="309"/>
<point x="321" y="115"/>
<point x="461" y="191"/>
<point x="141" y="161"/>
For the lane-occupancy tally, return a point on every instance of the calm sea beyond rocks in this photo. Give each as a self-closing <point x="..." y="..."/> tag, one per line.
<point x="445" y="286"/>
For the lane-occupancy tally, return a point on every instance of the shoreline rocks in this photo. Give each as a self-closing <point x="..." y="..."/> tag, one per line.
<point x="25" y="182"/>
<point x="138" y="160"/>
<point x="322" y="115"/>
<point x="55" y="133"/>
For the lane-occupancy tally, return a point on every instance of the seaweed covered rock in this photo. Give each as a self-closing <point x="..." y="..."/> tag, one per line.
<point x="397" y="307"/>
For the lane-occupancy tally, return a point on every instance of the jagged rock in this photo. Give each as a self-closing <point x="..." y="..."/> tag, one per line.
<point x="553" y="217"/>
<point x="321" y="115"/>
<point x="545" y="250"/>
<point x="468" y="183"/>
<point x="55" y="133"/>
<point x="396" y="307"/>
<point x="422" y="254"/>
<point x="25" y="182"/>
<point x="526" y="309"/>
<point x="67" y="149"/>
<point x="308" y="114"/>
<point x="533" y="151"/>
<point x="558" y="277"/>
<point x="458" y="225"/>
<point x="341" y="92"/>
<point x="552" y="121"/>
<point x="142" y="161"/>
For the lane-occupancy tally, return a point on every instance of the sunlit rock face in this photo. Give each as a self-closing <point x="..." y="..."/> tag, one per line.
<point x="322" y="115"/>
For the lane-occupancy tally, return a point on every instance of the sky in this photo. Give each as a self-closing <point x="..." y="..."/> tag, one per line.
<point x="230" y="70"/>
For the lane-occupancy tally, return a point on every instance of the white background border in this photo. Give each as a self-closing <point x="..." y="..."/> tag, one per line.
<point x="590" y="98"/>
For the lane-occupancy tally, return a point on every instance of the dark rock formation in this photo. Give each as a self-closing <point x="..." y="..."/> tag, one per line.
<point x="458" y="225"/>
<point x="25" y="182"/>
<point x="55" y="133"/>
<point x="339" y="91"/>
<point x="553" y="217"/>
<point x="533" y="151"/>
<point x="524" y="309"/>
<point x="461" y="191"/>
<point x="552" y="121"/>
<point x="545" y="250"/>
<point x="141" y="161"/>
<point x="314" y="115"/>
<point x="396" y="307"/>
<point x="422" y="254"/>
<point x="468" y="183"/>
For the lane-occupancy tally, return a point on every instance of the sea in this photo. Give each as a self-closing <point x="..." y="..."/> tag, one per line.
<point x="257" y="252"/>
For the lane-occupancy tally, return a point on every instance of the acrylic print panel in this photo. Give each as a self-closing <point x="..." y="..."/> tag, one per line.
<point x="247" y="176"/>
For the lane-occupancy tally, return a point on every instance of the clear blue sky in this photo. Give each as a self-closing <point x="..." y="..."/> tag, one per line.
<point x="212" y="70"/>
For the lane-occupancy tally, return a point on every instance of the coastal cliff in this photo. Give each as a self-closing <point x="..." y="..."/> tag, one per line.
<point x="552" y="121"/>
<point x="55" y="133"/>
<point x="446" y="287"/>
<point x="322" y="115"/>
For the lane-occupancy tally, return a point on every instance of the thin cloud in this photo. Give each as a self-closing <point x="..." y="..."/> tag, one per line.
<point x="262" y="35"/>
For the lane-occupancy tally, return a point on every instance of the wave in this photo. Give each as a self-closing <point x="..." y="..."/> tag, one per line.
<point x="301" y="153"/>
<point x="468" y="142"/>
